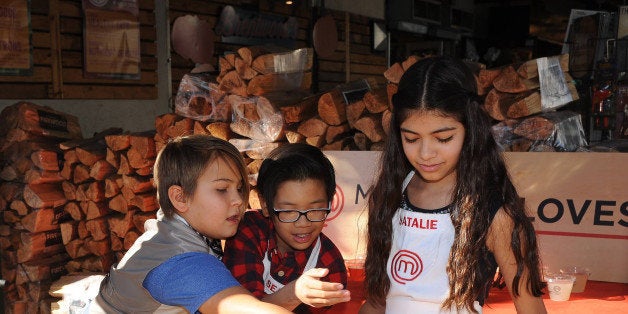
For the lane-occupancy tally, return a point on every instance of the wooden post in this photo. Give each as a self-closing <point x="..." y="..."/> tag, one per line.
<point x="347" y="46"/>
<point x="55" y="51"/>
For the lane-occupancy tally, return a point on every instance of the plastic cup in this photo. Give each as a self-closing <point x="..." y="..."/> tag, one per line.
<point x="559" y="286"/>
<point x="581" y="274"/>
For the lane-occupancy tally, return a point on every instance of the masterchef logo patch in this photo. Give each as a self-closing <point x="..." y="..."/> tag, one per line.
<point x="406" y="266"/>
<point x="337" y="204"/>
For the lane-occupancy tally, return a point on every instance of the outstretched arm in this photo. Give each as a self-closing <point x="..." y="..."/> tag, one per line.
<point x="311" y="290"/>
<point x="498" y="242"/>
<point x="237" y="300"/>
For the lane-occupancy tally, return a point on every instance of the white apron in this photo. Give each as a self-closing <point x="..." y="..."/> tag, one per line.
<point x="271" y="285"/>
<point x="417" y="263"/>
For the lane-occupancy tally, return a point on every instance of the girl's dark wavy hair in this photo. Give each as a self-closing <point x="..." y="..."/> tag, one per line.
<point x="446" y="86"/>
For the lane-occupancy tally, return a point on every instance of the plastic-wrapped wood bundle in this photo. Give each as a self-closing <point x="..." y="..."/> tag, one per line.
<point x="25" y="121"/>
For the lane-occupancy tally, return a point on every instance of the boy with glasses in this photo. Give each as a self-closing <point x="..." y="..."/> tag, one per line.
<point x="279" y="252"/>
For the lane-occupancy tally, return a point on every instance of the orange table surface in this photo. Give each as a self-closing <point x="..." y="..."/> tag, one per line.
<point x="598" y="297"/>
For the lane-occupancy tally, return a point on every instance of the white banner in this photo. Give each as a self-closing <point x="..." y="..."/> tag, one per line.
<point x="578" y="202"/>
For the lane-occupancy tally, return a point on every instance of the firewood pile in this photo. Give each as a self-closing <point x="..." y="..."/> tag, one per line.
<point x="513" y="98"/>
<point x="526" y="120"/>
<point x="110" y="193"/>
<point x="31" y="202"/>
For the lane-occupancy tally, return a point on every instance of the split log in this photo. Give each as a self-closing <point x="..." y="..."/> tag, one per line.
<point x="164" y="122"/>
<point x="69" y="231"/>
<point x="138" y="184"/>
<point x="97" y="228"/>
<point x="98" y="247"/>
<point x="118" y="142"/>
<point x="508" y="81"/>
<point x="91" y="153"/>
<point x="111" y="186"/>
<point x="44" y="195"/>
<point x="38" y="245"/>
<point x="411" y="60"/>
<point x="95" y="191"/>
<point x="124" y="168"/>
<point x="301" y="110"/>
<point x="335" y="132"/>
<point x="371" y="126"/>
<point x="74" y="210"/>
<point x="485" y="79"/>
<point x="76" y="249"/>
<point x="220" y="130"/>
<point x="146" y="202"/>
<point x="501" y="106"/>
<point x="313" y="127"/>
<point x="95" y="210"/>
<point x="244" y="70"/>
<point x="535" y="128"/>
<point x="113" y="158"/>
<point x="81" y="174"/>
<point x="70" y="157"/>
<point x="119" y="204"/>
<point x="355" y="111"/>
<point x="376" y="100"/>
<point x="292" y="136"/>
<point x="224" y="64"/>
<point x="44" y="219"/>
<point x="317" y="141"/>
<point x="525" y="105"/>
<point x="332" y="107"/>
<point x="120" y="224"/>
<point x="101" y="169"/>
<point x="394" y="72"/>
<point x="46" y="160"/>
<point x="37" y="176"/>
<point x="130" y="238"/>
<point x="232" y="83"/>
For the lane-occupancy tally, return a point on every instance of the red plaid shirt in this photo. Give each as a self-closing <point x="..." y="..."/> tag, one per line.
<point x="245" y="251"/>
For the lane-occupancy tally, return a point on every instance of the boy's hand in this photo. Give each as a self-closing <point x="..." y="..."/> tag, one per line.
<point x="312" y="291"/>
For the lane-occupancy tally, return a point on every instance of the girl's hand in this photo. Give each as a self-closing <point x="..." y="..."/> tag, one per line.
<point x="312" y="291"/>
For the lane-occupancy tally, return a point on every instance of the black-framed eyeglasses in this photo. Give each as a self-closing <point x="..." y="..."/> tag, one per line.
<point x="312" y="215"/>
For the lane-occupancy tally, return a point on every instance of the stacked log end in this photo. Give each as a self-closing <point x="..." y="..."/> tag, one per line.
<point x="32" y="255"/>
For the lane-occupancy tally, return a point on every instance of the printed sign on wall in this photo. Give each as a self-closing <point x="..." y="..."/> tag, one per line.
<point x="578" y="203"/>
<point x="111" y="39"/>
<point x="15" y="38"/>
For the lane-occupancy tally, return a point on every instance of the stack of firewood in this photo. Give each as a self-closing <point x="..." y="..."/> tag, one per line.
<point x="108" y="185"/>
<point x="31" y="202"/>
<point x="513" y="98"/>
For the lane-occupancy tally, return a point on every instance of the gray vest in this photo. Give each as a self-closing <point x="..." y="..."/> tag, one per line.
<point x="121" y="291"/>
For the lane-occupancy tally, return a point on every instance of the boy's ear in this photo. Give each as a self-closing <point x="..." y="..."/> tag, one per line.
<point x="262" y="203"/>
<point x="177" y="198"/>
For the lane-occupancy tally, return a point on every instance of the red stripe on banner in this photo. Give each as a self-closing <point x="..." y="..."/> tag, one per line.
<point x="583" y="235"/>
